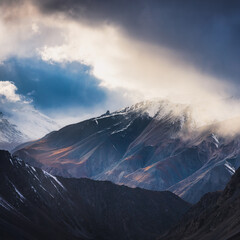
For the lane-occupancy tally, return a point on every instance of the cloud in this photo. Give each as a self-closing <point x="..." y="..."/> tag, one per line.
<point x="8" y="92"/>
<point x="120" y="61"/>
<point x="54" y="86"/>
<point x="23" y="31"/>
<point x="175" y="50"/>
<point x="66" y="92"/>
<point x="204" y="32"/>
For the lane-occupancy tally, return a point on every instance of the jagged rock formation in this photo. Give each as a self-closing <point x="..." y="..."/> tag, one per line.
<point x="215" y="216"/>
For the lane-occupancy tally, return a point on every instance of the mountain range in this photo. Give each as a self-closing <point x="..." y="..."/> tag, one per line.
<point x="153" y="145"/>
<point x="215" y="216"/>
<point x="37" y="205"/>
<point x="143" y="172"/>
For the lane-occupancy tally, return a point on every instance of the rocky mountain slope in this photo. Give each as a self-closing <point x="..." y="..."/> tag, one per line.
<point x="23" y="126"/>
<point x="10" y="136"/>
<point x="152" y="145"/>
<point x="37" y="205"/>
<point x="215" y="216"/>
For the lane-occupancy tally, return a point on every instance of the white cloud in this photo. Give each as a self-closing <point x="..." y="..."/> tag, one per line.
<point x="8" y="92"/>
<point x="23" y="30"/>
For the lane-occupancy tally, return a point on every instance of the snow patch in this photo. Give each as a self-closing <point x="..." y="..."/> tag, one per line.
<point x="215" y="138"/>
<point x="33" y="188"/>
<point x="5" y="204"/>
<point x="51" y="176"/>
<point x="10" y="161"/>
<point x="230" y="169"/>
<point x="22" y="198"/>
<point x="33" y="169"/>
<point x="123" y="129"/>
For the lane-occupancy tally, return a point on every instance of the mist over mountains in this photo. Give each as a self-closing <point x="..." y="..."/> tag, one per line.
<point x="154" y="145"/>
<point x="16" y="129"/>
<point x="154" y="148"/>
<point x="10" y="137"/>
<point x="20" y="120"/>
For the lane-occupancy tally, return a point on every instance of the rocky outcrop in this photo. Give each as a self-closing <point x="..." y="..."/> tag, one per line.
<point x="215" y="216"/>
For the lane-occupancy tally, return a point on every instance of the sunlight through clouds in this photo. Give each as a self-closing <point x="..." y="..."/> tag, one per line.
<point x="118" y="60"/>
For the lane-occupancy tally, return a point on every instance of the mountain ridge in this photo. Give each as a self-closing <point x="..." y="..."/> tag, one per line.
<point x="215" y="216"/>
<point x="152" y="145"/>
<point x="37" y="205"/>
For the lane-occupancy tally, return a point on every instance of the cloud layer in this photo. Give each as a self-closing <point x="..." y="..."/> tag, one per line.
<point x="204" y="32"/>
<point x="168" y="49"/>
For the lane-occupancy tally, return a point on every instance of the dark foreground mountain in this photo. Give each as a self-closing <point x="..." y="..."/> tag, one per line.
<point x="37" y="205"/>
<point x="152" y="145"/>
<point x="215" y="216"/>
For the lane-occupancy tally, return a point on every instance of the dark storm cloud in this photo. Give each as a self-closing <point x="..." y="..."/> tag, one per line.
<point x="10" y="2"/>
<point x="207" y="33"/>
<point x="53" y="86"/>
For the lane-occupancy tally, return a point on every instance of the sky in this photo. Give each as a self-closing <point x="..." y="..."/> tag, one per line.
<point x="75" y="59"/>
